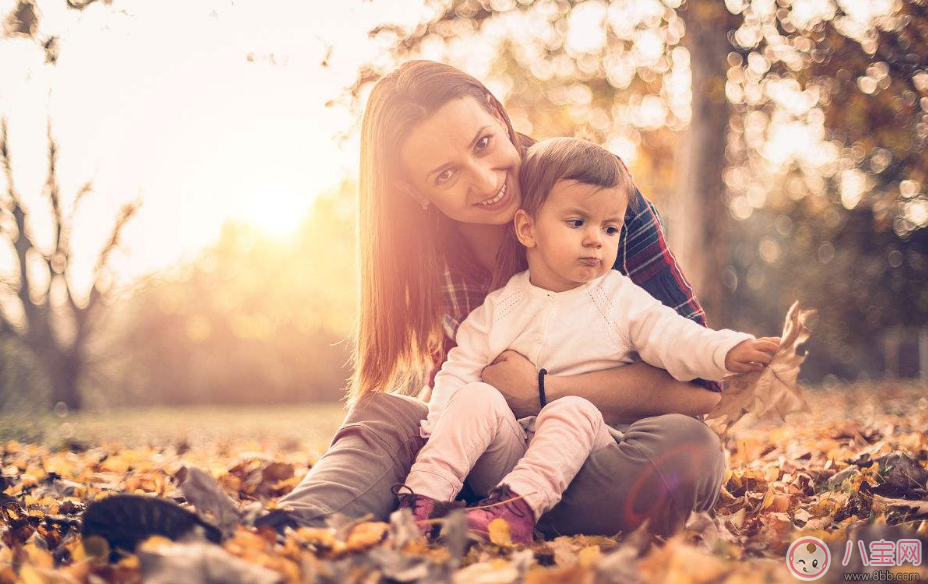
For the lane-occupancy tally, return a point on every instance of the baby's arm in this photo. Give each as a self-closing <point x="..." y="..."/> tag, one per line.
<point x="665" y="339"/>
<point x="751" y="355"/>
<point x="465" y="362"/>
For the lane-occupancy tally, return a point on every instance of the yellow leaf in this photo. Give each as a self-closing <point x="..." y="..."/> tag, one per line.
<point x="366" y="535"/>
<point x="114" y="464"/>
<point x="768" y="500"/>
<point x="129" y="563"/>
<point x="29" y="575"/>
<point x="39" y="557"/>
<point x="572" y="575"/>
<point x="499" y="532"/>
<point x="588" y="556"/>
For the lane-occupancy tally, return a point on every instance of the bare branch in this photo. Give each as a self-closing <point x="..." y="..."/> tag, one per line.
<point x="81" y="314"/>
<point x="54" y="195"/>
<point x="22" y="243"/>
<point x="86" y="189"/>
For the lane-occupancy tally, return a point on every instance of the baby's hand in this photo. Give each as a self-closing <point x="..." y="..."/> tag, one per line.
<point x="751" y="355"/>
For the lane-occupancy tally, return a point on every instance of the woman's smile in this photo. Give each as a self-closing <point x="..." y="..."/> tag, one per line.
<point x="497" y="201"/>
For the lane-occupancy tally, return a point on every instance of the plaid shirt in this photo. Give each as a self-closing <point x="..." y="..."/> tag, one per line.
<point x="643" y="256"/>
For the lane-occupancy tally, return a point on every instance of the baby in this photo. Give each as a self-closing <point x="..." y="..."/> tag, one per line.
<point x="569" y="313"/>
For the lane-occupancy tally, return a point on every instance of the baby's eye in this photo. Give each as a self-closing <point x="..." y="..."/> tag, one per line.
<point x="444" y="176"/>
<point x="612" y="230"/>
<point x="482" y="143"/>
<point x="575" y="222"/>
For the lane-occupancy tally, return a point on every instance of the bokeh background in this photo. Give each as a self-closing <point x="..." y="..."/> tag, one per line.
<point x="177" y="202"/>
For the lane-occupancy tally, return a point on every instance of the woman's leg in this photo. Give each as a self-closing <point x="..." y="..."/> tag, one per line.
<point x="663" y="468"/>
<point x="566" y="432"/>
<point x="372" y="451"/>
<point x="476" y="437"/>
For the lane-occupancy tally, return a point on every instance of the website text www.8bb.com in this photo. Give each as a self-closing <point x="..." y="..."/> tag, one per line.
<point x="881" y="576"/>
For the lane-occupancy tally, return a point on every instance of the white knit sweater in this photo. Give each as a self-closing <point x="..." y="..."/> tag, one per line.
<point x="600" y="325"/>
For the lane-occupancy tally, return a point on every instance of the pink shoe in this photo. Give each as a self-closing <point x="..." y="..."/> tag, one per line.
<point x="503" y="503"/>
<point x="420" y="505"/>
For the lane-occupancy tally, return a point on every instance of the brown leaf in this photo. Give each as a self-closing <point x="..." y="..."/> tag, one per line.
<point x="772" y="392"/>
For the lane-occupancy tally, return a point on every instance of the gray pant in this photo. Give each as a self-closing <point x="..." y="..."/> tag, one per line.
<point x="662" y="468"/>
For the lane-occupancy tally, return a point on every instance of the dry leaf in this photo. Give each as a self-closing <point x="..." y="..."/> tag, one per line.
<point x="499" y="532"/>
<point x="772" y="392"/>
<point x="497" y="571"/>
<point x="366" y="535"/>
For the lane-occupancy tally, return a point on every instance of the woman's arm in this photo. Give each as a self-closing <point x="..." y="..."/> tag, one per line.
<point x="623" y="394"/>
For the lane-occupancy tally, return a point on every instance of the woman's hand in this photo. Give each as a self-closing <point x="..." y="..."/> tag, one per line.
<point x="751" y="355"/>
<point x="515" y="377"/>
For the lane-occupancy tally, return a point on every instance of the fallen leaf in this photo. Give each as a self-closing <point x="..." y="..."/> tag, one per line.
<point x="499" y="532"/>
<point x="208" y="498"/>
<point x="199" y="563"/>
<point x="366" y="535"/>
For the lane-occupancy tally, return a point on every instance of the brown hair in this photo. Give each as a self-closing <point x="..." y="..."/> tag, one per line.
<point x="548" y="162"/>
<point x="400" y="246"/>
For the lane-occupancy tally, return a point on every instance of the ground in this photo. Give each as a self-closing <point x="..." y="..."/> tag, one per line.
<point x="853" y="468"/>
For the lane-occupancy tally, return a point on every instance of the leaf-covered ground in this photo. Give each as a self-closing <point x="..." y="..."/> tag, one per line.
<point x="855" y="467"/>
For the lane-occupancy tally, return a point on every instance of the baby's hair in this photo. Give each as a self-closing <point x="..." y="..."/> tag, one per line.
<point x="544" y="164"/>
<point x="556" y="159"/>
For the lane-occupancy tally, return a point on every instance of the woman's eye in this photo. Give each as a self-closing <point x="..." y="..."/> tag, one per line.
<point x="444" y="176"/>
<point x="483" y="143"/>
<point x="575" y="222"/>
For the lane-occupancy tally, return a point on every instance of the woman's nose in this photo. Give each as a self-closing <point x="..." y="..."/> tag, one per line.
<point x="484" y="181"/>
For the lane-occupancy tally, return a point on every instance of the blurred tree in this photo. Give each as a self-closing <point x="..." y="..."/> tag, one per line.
<point x="828" y="170"/>
<point x="39" y="309"/>
<point x="252" y="320"/>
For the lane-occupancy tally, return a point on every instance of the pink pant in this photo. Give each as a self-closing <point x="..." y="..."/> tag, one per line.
<point x="478" y="438"/>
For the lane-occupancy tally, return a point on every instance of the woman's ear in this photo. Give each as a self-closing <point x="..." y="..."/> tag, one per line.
<point x="524" y="228"/>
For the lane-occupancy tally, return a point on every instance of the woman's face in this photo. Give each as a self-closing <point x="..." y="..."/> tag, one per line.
<point x="462" y="161"/>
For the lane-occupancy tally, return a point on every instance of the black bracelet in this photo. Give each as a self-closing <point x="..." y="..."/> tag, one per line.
<point x="541" y="387"/>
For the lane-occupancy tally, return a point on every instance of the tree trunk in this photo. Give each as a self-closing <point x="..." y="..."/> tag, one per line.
<point x="700" y="228"/>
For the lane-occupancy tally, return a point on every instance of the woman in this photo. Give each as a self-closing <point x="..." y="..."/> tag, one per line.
<point x="438" y="186"/>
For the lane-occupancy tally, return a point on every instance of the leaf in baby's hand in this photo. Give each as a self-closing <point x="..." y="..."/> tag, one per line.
<point x="772" y="392"/>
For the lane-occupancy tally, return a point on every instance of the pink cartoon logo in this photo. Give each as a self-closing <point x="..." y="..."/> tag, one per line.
<point x="808" y="558"/>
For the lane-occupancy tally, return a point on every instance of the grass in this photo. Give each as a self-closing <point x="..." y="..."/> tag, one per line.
<point x="290" y="427"/>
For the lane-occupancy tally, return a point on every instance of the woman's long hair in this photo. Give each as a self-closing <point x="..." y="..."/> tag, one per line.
<point x="401" y="247"/>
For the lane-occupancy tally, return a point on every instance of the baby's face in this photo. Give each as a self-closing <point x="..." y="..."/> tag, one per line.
<point x="576" y="235"/>
<point x="808" y="559"/>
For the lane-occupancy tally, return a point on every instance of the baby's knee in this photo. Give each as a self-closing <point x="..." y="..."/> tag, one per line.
<point x="480" y="396"/>
<point x="574" y="408"/>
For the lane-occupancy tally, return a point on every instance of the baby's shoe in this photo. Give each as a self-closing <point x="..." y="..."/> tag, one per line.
<point x="501" y="503"/>
<point x="420" y="506"/>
